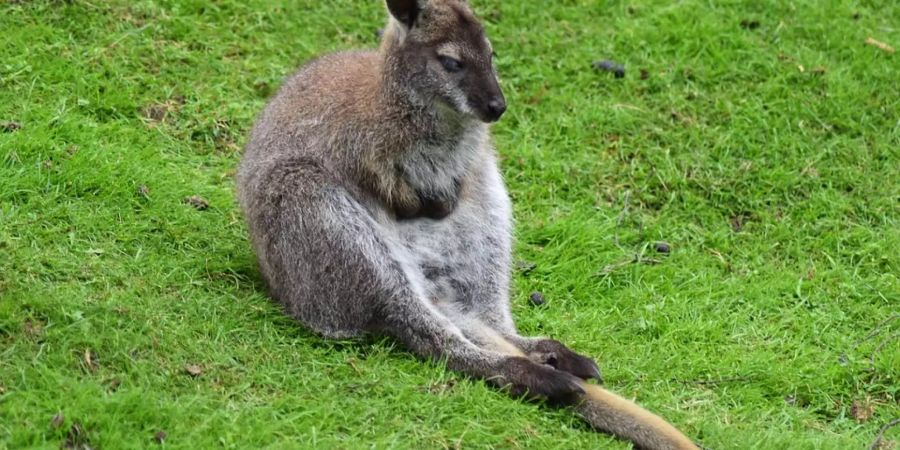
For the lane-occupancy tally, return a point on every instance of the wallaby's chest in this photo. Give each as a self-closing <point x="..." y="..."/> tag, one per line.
<point x="466" y="254"/>
<point x="436" y="172"/>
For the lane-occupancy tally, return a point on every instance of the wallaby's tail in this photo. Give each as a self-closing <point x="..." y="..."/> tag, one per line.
<point x="615" y="415"/>
<point x="604" y="410"/>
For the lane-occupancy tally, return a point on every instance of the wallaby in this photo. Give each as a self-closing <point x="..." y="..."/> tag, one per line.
<point x="375" y="205"/>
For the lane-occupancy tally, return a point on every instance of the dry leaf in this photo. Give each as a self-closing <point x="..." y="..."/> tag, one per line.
<point x="90" y="359"/>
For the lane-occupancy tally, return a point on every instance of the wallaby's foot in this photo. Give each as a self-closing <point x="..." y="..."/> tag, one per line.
<point x="555" y="354"/>
<point x="523" y="377"/>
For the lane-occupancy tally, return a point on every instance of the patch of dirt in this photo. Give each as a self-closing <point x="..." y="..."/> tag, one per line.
<point x="57" y="421"/>
<point x="524" y="267"/>
<point x="193" y="370"/>
<point x="33" y="328"/>
<point x="158" y="112"/>
<point x="862" y="410"/>
<point x="155" y="113"/>
<point x="739" y="220"/>
<point x="159" y="437"/>
<point x="10" y="126"/>
<point x="440" y="388"/>
<point x="77" y="438"/>
<point x="197" y="202"/>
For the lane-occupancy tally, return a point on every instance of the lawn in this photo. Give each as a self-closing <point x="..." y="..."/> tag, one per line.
<point x="759" y="140"/>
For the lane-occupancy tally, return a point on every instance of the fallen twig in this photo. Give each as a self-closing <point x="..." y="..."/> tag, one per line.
<point x="880" y="45"/>
<point x="637" y="259"/>
<point x="613" y="267"/>
<point x="880" y="435"/>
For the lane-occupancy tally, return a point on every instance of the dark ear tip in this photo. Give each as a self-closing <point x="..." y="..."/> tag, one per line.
<point x="406" y="11"/>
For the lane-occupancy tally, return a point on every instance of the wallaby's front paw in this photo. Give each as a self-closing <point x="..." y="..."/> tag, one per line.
<point x="524" y="377"/>
<point x="557" y="355"/>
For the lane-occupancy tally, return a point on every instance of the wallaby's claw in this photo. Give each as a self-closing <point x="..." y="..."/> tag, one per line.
<point x="558" y="356"/>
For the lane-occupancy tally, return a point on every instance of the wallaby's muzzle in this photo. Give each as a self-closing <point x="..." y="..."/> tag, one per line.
<point x="495" y="109"/>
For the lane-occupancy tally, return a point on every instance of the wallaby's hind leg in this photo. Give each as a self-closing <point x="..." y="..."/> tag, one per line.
<point x="494" y="319"/>
<point x="336" y="270"/>
<point x="429" y="333"/>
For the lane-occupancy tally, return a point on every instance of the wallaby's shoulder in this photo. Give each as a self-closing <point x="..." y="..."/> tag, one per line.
<point x="344" y="82"/>
<point x="334" y="74"/>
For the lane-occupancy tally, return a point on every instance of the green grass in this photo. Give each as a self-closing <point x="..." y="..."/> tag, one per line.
<point x="778" y="189"/>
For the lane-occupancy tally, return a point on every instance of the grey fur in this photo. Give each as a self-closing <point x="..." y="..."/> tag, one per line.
<point x="375" y="204"/>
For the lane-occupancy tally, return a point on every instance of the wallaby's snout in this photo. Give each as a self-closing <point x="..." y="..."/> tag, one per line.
<point x="496" y="108"/>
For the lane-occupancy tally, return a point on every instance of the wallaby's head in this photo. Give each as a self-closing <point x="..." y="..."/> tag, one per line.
<point x="439" y="49"/>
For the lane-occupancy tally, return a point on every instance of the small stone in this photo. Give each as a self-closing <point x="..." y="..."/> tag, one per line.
<point x="537" y="299"/>
<point x="610" y="66"/>
<point x="662" y="247"/>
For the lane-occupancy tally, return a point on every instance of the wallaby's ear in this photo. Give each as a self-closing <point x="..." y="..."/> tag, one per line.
<point x="406" y="11"/>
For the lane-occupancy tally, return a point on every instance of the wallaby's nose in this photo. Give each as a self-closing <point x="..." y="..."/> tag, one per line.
<point x="496" y="108"/>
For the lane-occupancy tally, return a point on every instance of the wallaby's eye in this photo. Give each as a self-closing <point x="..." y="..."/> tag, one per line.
<point x="450" y="65"/>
